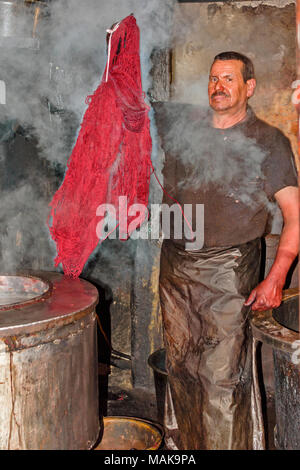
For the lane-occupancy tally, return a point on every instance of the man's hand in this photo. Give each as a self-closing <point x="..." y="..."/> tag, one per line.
<point x="268" y="294"/>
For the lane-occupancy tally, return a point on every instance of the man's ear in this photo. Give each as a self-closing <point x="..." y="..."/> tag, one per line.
<point x="251" y="84"/>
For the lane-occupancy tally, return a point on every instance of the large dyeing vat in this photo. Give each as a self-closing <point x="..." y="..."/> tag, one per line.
<point x="48" y="362"/>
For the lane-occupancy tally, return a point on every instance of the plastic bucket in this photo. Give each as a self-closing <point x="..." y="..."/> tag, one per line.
<point x="127" y="433"/>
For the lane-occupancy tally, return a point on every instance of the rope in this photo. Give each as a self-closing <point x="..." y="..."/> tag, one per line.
<point x="175" y="200"/>
<point x="110" y="32"/>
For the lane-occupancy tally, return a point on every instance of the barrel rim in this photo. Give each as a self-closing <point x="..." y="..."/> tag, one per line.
<point x="267" y="330"/>
<point x="25" y="303"/>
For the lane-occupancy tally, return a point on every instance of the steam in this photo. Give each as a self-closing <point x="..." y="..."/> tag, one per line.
<point x="46" y="89"/>
<point x="24" y="237"/>
<point x="70" y="63"/>
<point x="201" y="150"/>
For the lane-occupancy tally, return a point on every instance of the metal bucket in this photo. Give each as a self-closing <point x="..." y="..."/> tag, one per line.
<point x="126" y="433"/>
<point x="284" y="341"/>
<point x="157" y="361"/>
<point x="48" y="363"/>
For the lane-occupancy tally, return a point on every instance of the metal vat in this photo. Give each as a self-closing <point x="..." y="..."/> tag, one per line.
<point x="284" y="341"/>
<point x="48" y="363"/>
<point x="287" y="314"/>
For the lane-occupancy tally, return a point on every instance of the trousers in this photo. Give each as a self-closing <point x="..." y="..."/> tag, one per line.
<point x="213" y="399"/>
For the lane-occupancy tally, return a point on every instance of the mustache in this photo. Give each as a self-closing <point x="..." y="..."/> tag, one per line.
<point x="220" y="93"/>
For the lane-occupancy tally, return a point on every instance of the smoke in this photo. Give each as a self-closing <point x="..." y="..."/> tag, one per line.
<point x="201" y="152"/>
<point x="46" y="89"/>
<point x="24" y="238"/>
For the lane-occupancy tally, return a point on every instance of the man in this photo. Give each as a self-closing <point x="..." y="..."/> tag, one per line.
<point x="237" y="166"/>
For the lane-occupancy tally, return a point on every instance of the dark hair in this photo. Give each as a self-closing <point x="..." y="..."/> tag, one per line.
<point x="248" y="67"/>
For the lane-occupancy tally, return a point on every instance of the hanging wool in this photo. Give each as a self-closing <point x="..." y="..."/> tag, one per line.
<point x="111" y="157"/>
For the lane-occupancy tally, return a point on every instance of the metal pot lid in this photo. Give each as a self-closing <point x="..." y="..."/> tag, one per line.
<point x="59" y="300"/>
<point x="19" y="291"/>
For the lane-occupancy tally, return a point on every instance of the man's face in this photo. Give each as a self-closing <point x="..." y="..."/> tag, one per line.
<point x="226" y="87"/>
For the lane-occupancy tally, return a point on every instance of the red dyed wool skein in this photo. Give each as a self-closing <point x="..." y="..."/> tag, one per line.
<point x="111" y="157"/>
